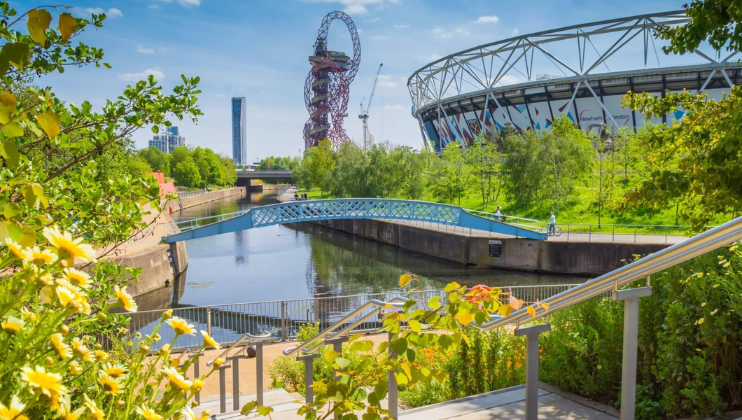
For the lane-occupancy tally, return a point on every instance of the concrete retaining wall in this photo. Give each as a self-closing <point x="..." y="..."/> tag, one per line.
<point x="160" y="265"/>
<point x="577" y="258"/>
<point x="206" y="197"/>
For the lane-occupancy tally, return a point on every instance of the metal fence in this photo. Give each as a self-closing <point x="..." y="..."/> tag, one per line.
<point x="620" y="233"/>
<point x="283" y="318"/>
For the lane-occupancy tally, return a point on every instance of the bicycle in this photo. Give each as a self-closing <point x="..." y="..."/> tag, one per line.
<point x="557" y="230"/>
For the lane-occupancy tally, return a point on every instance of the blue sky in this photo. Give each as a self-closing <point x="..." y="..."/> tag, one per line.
<point x="259" y="49"/>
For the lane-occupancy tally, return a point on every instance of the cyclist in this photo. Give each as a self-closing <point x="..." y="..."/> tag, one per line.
<point x="552" y="224"/>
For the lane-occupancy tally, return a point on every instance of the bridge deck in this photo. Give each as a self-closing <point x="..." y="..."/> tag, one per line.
<point x="356" y="208"/>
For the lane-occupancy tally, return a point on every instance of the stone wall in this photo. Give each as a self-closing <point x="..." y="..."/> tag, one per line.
<point x="206" y="197"/>
<point x="577" y="258"/>
<point x="160" y="265"/>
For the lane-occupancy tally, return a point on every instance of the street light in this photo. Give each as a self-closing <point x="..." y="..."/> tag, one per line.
<point x="604" y="146"/>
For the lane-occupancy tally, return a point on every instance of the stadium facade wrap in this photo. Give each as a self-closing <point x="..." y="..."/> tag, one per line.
<point x="592" y="67"/>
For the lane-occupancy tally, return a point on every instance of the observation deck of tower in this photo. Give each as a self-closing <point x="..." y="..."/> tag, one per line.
<point x="322" y="65"/>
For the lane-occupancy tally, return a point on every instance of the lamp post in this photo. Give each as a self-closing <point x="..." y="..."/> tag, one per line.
<point x="603" y="148"/>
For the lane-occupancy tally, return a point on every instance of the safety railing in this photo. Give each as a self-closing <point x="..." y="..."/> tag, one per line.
<point x="283" y="190"/>
<point x="592" y="232"/>
<point x="283" y="318"/>
<point x="610" y="283"/>
<point x="508" y="219"/>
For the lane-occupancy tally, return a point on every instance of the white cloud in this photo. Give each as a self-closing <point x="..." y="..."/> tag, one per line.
<point x="135" y="77"/>
<point x="396" y="107"/>
<point x="514" y="32"/>
<point x="386" y="81"/>
<point x="401" y="26"/>
<point x="432" y="57"/>
<point x="509" y="79"/>
<point x="442" y="34"/>
<point x="356" y="9"/>
<point x="378" y="37"/>
<point x="360" y="31"/>
<point x="87" y="11"/>
<point x="184" y="3"/>
<point x="143" y="50"/>
<point x="488" y="19"/>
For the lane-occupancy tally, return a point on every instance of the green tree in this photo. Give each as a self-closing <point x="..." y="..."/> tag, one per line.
<point x="187" y="174"/>
<point x="523" y="170"/>
<point x="568" y="153"/>
<point x="320" y="162"/>
<point x="156" y="159"/>
<point x="454" y="177"/>
<point x="484" y="160"/>
<point x="715" y="20"/>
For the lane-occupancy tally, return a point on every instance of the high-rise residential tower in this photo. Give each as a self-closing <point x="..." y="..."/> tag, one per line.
<point x="168" y="140"/>
<point x="239" y="131"/>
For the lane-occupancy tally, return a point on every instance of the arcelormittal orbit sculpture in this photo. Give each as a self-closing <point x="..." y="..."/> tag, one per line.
<point x="327" y="87"/>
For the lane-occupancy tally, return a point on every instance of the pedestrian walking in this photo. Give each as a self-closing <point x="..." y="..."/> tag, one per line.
<point x="552" y="224"/>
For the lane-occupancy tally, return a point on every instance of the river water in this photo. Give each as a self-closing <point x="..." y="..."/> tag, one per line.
<point x="305" y="260"/>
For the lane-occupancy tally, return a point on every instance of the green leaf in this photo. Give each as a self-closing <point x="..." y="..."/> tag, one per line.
<point x="8" y="100"/>
<point x="434" y="302"/>
<point x="10" y="230"/>
<point x="67" y="25"/>
<point x="18" y="54"/>
<point x="450" y="287"/>
<point x="50" y="123"/>
<point x="401" y="378"/>
<point x="481" y="318"/>
<point x="264" y="411"/>
<point x="38" y="22"/>
<point x="330" y="356"/>
<point x="342" y="362"/>
<point x="248" y="408"/>
<point x="414" y="326"/>
<point x="30" y="195"/>
<point x="13" y="129"/>
<point x="5" y="113"/>
<point x="9" y="151"/>
<point x="12" y="210"/>
<point x="39" y="191"/>
<point x="399" y="345"/>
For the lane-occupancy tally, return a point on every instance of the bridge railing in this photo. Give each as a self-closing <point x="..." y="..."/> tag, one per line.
<point x="604" y="232"/>
<point x="523" y="222"/>
<point x="283" y="318"/>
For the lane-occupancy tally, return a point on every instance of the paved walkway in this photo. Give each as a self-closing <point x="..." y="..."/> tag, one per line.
<point x="565" y="237"/>
<point x="288" y="195"/>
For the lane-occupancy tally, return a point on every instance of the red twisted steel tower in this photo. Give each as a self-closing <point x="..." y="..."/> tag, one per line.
<point x="327" y="87"/>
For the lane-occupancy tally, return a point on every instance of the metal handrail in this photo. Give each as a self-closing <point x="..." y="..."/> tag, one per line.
<point x="395" y="302"/>
<point x="669" y="257"/>
<point x="240" y="341"/>
<point x="506" y="218"/>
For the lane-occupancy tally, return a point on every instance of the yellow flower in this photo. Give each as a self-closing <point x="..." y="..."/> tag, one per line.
<point x="703" y="304"/>
<point x="209" y="342"/>
<point x="36" y="255"/>
<point x="124" y="299"/>
<point x="218" y="362"/>
<point x="62" y="349"/>
<point x="67" y="248"/>
<point x="167" y="314"/>
<point x="181" y="326"/>
<point x="189" y="414"/>
<point x="71" y="298"/>
<point x="100" y="355"/>
<point x="198" y="384"/>
<point x="114" y="371"/>
<point x="14" y="410"/>
<point x="29" y="315"/>
<point x="15" y="250"/>
<point x="74" y="415"/>
<point x="714" y="311"/>
<point x="95" y="412"/>
<point x="176" y="379"/>
<point x="109" y="384"/>
<point x="40" y="380"/>
<point x="12" y="325"/>
<point x="148" y="413"/>
<point x="75" y="368"/>
<point x="701" y="321"/>
<point x="80" y="350"/>
<point x="77" y="277"/>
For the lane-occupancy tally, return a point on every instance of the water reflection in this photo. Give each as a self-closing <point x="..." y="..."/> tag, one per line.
<point x="305" y="260"/>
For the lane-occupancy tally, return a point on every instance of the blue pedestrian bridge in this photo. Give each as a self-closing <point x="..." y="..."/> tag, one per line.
<point x="352" y="208"/>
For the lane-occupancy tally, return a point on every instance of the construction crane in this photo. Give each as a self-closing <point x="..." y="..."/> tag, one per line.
<point x="367" y="137"/>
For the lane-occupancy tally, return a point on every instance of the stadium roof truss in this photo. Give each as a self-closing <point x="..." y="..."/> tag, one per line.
<point x="586" y="55"/>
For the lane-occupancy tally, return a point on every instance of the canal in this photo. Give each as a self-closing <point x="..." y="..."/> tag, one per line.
<point x="306" y="260"/>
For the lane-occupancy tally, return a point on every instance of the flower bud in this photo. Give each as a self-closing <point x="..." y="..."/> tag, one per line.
<point x="64" y="329"/>
<point x="218" y="362"/>
<point x="144" y="349"/>
<point x="167" y="314"/>
<point x="102" y="316"/>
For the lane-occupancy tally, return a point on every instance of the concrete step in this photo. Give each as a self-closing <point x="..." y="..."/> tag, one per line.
<point x="272" y="398"/>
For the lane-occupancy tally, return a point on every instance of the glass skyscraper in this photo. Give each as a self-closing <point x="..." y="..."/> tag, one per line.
<point x="239" y="131"/>
<point x="168" y="140"/>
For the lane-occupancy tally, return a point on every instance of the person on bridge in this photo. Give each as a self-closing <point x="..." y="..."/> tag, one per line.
<point x="498" y="214"/>
<point x="552" y="224"/>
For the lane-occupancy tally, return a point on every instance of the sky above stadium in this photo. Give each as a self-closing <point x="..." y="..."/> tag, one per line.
<point x="259" y="50"/>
